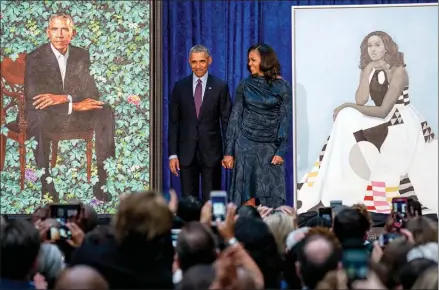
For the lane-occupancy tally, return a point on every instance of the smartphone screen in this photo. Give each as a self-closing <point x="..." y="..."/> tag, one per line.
<point x="399" y="205"/>
<point x="219" y="205"/>
<point x="61" y="232"/>
<point x="355" y="262"/>
<point x="386" y="238"/>
<point x="65" y="212"/>
<point x="174" y="236"/>
<point x="335" y="203"/>
<point x="326" y="213"/>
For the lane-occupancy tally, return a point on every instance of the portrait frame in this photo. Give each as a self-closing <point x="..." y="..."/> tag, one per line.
<point x="154" y="98"/>
<point x="295" y="119"/>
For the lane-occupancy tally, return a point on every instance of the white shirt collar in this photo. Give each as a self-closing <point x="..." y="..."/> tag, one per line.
<point x="203" y="78"/>
<point x="58" y="54"/>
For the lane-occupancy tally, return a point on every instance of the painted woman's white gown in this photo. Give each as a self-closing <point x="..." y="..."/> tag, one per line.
<point x="371" y="160"/>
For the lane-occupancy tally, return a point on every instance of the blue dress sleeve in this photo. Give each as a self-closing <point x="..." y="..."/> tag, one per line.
<point x="285" y="121"/>
<point x="235" y="121"/>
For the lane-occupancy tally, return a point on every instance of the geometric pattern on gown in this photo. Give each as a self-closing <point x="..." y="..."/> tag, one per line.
<point x="312" y="175"/>
<point x="396" y="118"/>
<point x="375" y="135"/>
<point x="427" y="132"/>
<point x="404" y="98"/>
<point x="405" y="186"/>
<point x="322" y="152"/>
<point x="378" y="196"/>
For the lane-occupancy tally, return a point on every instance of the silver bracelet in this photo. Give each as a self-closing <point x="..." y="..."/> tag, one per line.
<point x="232" y="241"/>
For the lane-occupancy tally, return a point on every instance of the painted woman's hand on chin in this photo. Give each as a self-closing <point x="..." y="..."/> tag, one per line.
<point x="380" y="64"/>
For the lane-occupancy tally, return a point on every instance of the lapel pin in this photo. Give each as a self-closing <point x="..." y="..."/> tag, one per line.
<point x="210" y="88"/>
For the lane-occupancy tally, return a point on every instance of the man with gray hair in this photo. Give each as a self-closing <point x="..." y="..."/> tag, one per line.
<point x="199" y="112"/>
<point x="61" y="96"/>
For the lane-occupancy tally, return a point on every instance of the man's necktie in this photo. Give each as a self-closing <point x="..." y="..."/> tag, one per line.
<point x="198" y="97"/>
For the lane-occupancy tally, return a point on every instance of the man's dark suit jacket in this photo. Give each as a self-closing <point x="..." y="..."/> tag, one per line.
<point x="43" y="76"/>
<point x="187" y="133"/>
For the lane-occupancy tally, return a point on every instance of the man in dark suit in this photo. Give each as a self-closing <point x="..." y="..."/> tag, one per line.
<point x="61" y="96"/>
<point x="200" y="106"/>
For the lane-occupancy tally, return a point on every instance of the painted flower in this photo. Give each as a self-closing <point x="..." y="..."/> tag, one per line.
<point x="134" y="168"/>
<point x="101" y="79"/>
<point x="133" y="26"/>
<point x="135" y="100"/>
<point x="30" y="175"/>
<point x="96" y="202"/>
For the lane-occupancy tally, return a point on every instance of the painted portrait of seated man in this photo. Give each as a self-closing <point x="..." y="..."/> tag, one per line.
<point x="61" y="96"/>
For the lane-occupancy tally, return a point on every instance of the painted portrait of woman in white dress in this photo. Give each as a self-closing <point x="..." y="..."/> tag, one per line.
<point x="379" y="151"/>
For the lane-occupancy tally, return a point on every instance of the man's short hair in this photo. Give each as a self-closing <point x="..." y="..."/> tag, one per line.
<point x="350" y="224"/>
<point x="62" y="15"/>
<point x="189" y="209"/>
<point x="196" y="245"/>
<point x="199" y="48"/>
<point x="19" y="248"/>
<point x="143" y="214"/>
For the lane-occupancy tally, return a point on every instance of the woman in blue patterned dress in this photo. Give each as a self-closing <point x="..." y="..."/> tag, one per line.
<point x="257" y="134"/>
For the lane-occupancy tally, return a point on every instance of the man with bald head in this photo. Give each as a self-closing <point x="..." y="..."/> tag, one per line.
<point x="81" y="277"/>
<point x="61" y="96"/>
<point x="319" y="256"/>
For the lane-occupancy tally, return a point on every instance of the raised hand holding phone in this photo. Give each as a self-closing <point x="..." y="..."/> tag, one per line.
<point x="218" y="200"/>
<point x="226" y="227"/>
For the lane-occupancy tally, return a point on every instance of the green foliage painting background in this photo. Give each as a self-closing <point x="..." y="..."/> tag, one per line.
<point x="116" y="33"/>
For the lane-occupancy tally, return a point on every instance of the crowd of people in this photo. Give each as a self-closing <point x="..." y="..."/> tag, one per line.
<point x="151" y="243"/>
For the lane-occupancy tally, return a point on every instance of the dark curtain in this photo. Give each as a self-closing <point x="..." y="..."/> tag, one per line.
<point x="228" y="28"/>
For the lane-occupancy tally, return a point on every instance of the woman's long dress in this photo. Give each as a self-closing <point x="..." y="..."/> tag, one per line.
<point x="371" y="160"/>
<point x="258" y="130"/>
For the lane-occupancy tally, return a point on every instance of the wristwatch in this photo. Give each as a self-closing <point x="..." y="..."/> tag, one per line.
<point x="233" y="241"/>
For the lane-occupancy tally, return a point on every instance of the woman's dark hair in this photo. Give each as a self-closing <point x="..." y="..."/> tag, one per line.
<point x="261" y="245"/>
<point x="393" y="258"/>
<point x="248" y="211"/>
<point x="318" y="221"/>
<point x="189" y="209"/>
<point x="414" y="207"/>
<point x="19" y="245"/>
<point x="393" y="56"/>
<point x="350" y="224"/>
<point x="290" y="274"/>
<point x="269" y="65"/>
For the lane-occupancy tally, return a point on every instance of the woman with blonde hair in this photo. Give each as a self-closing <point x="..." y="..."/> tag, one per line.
<point x="280" y="225"/>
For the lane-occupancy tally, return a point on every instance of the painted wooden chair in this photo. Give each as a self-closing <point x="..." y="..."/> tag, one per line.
<point x="12" y="86"/>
